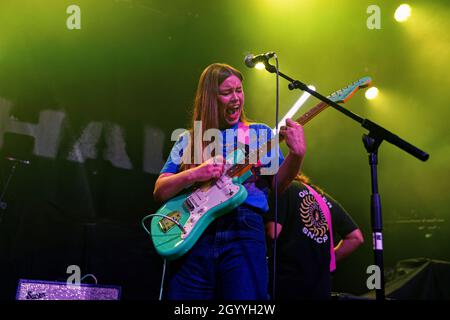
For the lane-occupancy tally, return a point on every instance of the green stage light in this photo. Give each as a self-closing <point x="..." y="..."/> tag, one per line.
<point x="402" y="13"/>
<point x="372" y="93"/>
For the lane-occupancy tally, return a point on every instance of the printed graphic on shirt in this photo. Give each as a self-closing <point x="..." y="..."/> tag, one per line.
<point x="315" y="223"/>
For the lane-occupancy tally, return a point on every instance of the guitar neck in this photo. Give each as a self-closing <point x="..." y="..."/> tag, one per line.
<point x="304" y="119"/>
<point x="314" y="111"/>
<point x="339" y="96"/>
<point x="238" y="169"/>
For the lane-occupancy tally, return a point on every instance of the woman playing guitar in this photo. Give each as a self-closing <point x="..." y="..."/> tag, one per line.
<point x="229" y="259"/>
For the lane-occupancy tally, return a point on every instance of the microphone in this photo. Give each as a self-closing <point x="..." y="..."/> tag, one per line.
<point x="18" y="160"/>
<point x="251" y="60"/>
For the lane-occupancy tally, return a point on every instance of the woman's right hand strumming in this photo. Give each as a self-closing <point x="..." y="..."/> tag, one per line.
<point x="210" y="169"/>
<point x="169" y="185"/>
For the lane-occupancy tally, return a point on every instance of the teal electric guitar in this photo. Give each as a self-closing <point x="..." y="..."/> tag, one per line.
<point x="178" y="224"/>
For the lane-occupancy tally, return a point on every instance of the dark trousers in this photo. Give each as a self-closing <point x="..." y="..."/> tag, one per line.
<point x="228" y="262"/>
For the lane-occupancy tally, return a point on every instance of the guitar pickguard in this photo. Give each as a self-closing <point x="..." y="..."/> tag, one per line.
<point x="202" y="201"/>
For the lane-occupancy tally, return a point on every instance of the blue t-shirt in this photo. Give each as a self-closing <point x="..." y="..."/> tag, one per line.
<point x="257" y="185"/>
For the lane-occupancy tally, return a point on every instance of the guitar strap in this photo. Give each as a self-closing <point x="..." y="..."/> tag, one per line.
<point x="326" y="211"/>
<point x="243" y="133"/>
<point x="243" y="137"/>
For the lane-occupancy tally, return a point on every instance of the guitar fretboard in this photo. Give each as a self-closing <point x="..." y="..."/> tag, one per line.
<point x="339" y="96"/>
<point x="264" y="148"/>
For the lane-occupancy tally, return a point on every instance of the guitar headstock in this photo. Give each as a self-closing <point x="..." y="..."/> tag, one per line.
<point x="342" y="95"/>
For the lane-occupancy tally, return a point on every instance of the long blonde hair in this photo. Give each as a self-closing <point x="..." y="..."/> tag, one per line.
<point x="206" y="108"/>
<point x="302" y="178"/>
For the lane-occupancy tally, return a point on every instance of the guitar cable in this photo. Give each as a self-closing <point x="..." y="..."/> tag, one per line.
<point x="161" y="289"/>
<point x="162" y="280"/>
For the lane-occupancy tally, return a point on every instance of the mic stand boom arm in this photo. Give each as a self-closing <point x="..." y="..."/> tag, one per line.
<point x="375" y="131"/>
<point x="371" y="142"/>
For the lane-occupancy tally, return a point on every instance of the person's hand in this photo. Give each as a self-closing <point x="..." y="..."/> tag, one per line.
<point x="294" y="136"/>
<point x="210" y="169"/>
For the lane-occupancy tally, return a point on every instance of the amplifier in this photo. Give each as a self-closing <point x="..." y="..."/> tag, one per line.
<point x="48" y="290"/>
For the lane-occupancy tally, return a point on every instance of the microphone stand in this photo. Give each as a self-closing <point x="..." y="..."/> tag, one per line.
<point x="4" y="205"/>
<point x="371" y="141"/>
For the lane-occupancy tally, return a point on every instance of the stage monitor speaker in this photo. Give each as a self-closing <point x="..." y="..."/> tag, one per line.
<point x="48" y="290"/>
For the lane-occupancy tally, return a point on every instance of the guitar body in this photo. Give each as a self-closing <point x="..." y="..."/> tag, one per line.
<point x="195" y="211"/>
<point x="169" y="240"/>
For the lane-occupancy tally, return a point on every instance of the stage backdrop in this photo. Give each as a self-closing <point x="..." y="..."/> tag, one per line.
<point x="90" y="92"/>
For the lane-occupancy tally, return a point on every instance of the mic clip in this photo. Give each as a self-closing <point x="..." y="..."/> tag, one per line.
<point x="27" y="162"/>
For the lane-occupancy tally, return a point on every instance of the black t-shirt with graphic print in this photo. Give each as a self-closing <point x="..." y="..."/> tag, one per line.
<point x="303" y="246"/>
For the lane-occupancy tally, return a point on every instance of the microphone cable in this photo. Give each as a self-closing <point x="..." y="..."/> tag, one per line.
<point x="277" y="103"/>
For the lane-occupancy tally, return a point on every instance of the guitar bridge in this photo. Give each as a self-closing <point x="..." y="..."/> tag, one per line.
<point x="167" y="224"/>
